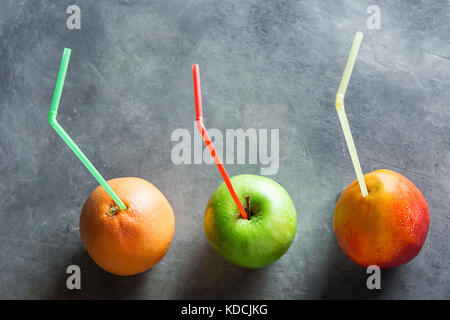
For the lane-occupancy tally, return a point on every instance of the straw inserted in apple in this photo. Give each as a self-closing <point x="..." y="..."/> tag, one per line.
<point x="72" y="145"/>
<point x="202" y="129"/>
<point x="339" y="103"/>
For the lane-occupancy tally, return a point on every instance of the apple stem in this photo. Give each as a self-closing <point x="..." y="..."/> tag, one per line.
<point x="247" y="201"/>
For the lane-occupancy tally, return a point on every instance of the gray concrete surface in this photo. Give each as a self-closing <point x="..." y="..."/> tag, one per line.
<point x="264" y="64"/>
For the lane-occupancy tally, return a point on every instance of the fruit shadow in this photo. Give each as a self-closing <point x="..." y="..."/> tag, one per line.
<point x="95" y="282"/>
<point x="344" y="279"/>
<point x="211" y="277"/>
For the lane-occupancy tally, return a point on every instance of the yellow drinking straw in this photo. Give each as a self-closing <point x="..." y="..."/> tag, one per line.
<point x="340" y="95"/>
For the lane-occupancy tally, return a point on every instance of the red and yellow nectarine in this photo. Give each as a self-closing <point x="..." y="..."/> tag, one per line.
<point x="388" y="227"/>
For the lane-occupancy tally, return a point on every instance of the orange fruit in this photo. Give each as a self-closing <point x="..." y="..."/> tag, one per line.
<point x="132" y="241"/>
<point x="388" y="227"/>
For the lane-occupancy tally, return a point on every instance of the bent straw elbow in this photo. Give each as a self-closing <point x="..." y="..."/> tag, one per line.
<point x="52" y="119"/>
<point x="339" y="102"/>
<point x="200" y="124"/>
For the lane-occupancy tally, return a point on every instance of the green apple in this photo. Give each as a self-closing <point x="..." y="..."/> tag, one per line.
<point x="267" y="233"/>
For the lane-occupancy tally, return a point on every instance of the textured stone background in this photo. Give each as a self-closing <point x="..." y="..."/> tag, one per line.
<point x="264" y="64"/>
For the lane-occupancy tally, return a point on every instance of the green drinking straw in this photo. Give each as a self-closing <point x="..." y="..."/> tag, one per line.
<point x="72" y="145"/>
<point x="340" y="95"/>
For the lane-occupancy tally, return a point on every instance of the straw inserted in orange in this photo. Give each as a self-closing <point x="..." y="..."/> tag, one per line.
<point x="202" y="129"/>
